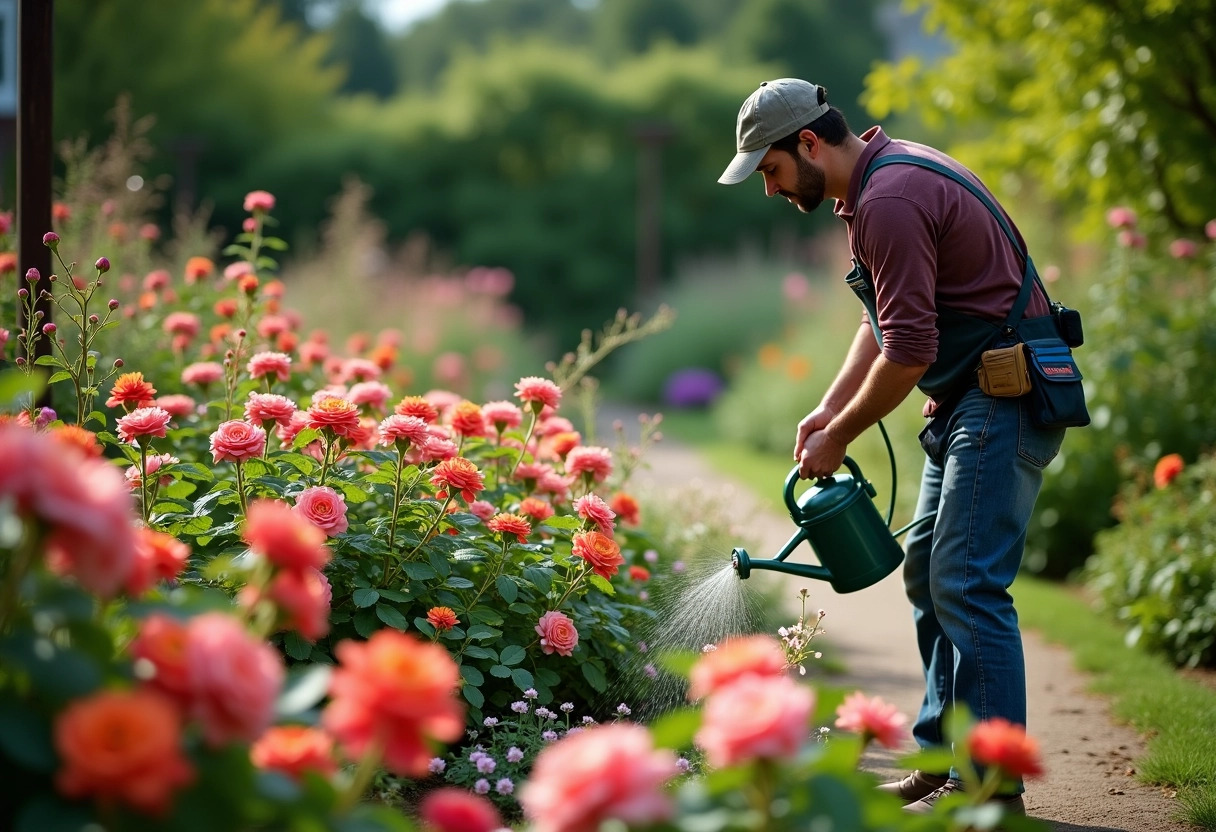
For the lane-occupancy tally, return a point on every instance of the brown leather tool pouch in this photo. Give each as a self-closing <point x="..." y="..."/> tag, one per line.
<point x="1003" y="372"/>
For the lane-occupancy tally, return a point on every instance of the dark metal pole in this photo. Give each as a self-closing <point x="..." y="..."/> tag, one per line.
<point x="34" y="154"/>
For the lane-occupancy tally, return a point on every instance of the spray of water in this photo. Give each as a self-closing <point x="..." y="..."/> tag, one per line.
<point x="704" y="605"/>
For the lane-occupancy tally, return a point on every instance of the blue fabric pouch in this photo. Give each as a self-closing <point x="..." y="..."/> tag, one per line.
<point x="1057" y="397"/>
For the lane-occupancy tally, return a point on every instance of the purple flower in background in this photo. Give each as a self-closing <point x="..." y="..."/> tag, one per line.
<point x="692" y="387"/>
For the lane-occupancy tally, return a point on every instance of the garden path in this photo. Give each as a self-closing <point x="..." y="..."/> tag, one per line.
<point x="1090" y="758"/>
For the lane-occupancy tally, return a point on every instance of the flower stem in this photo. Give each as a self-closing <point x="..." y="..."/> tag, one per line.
<point x="392" y="526"/>
<point x="240" y="489"/>
<point x="364" y="773"/>
<point x="528" y="438"/>
<point x="143" y="480"/>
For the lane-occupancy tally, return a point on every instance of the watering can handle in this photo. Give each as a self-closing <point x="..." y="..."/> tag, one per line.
<point x="796" y="474"/>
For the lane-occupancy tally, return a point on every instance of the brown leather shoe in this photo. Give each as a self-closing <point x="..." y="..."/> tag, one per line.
<point x="915" y="786"/>
<point x="1011" y="804"/>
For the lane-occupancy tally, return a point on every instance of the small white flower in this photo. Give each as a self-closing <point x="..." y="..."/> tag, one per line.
<point x="486" y="764"/>
<point x="677" y="567"/>
<point x="683" y="765"/>
<point x="567" y="707"/>
<point x="437" y="765"/>
<point x="549" y="736"/>
<point x="514" y="755"/>
<point x="490" y="721"/>
<point x="482" y="786"/>
<point x="651" y="671"/>
<point x="531" y="693"/>
<point x="543" y="712"/>
<point x="476" y="755"/>
<point x="577" y="729"/>
<point x="801" y="670"/>
<point x="709" y="648"/>
<point x="520" y="707"/>
<point x="504" y="786"/>
<point x="818" y="655"/>
<point x="650" y="556"/>
<point x="623" y="709"/>
<point x="588" y="720"/>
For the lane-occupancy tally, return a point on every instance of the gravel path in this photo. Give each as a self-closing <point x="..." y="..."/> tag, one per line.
<point x="1090" y="759"/>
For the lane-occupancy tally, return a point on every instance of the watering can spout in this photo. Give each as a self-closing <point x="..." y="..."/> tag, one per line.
<point x="743" y="565"/>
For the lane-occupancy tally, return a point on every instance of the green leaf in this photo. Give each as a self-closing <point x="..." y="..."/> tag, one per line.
<point x="547" y="677"/>
<point x="501" y="671"/>
<point x="354" y="493"/>
<point x="563" y="521"/>
<point x="485" y="615"/>
<point x="296" y="646"/>
<point x="539" y="577"/>
<point x="473" y="696"/>
<point x="366" y="622"/>
<point x="46" y="813"/>
<point x="472" y="675"/>
<point x="512" y="654"/>
<point x="303" y="690"/>
<point x="365" y="597"/>
<point x="392" y="617"/>
<point x="675" y="729"/>
<point x="506" y="588"/>
<point x="16" y="387"/>
<point x="25" y="736"/>
<point x="60" y="673"/>
<point x="305" y="437"/>
<point x="440" y="564"/>
<point x="594" y="674"/>
<point x="457" y="582"/>
<point x="522" y="678"/>
<point x="602" y="585"/>
<point x="482" y="632"/>
<point x="62" y="375"/>
<point x="419" y="571"/>
<point x="426" y="627"/>
<point x="50" y="361"/>
<point x="257" y="467"/>
<point x="393" y="595"/>
<point x="468" y="555"/>
<point x="474" y="651"/>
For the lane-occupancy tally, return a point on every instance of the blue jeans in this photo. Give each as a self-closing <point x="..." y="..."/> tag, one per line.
<point x="983" y="469"/>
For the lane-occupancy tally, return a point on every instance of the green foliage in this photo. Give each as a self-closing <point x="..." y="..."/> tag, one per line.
<point x="1156" y="570"/>
<point x="1093" y="102"/>
<point x="1148" y="361"/>
<point x="724" y="310"/>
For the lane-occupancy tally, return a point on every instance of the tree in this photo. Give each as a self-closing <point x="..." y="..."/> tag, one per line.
<point x="359" y="46"/>
<point x="1095" y="102"/>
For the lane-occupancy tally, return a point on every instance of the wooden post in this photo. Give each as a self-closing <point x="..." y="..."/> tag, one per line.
<point x="650" y="138"/>
<point x="34" y="155"/>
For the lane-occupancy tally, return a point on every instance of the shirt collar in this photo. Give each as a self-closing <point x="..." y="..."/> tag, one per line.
<point x="875" y="141"/>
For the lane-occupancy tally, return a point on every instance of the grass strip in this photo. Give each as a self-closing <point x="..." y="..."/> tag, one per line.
<point x="1146" y="691"/>
<point x="1176" y="714"/>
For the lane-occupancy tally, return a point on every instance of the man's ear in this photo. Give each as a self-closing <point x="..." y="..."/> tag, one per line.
<point x="809" y="138"/>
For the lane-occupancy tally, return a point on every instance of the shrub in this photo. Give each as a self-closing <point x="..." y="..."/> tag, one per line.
<point x="1156" y="571"/>
<point x="1148" y="361"/>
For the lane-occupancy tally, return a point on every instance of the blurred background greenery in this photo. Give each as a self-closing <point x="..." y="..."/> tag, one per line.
<point x="573" y="146"/>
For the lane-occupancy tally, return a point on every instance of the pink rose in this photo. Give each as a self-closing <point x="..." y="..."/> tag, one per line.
<point x="590" y="460"/>
<point x="872" y="718"/>
<point x="269" y="407"/>
<point x="143" y="421"/>
<point x="755" y="717"/>
<point x="259" y="201"/>
<point x="302" y="596"/>
<point x="270" y="363"/>
<point x="237" y="441"/>
<point x="203" y="373"/>
<point x="234" y="679"/>
<point x="605" y="772"/>
<point x="557" y="633"/>
<point x="324" y="507"/>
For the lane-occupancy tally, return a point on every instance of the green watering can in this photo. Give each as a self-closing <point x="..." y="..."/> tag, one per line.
<point x="855" y="546"/>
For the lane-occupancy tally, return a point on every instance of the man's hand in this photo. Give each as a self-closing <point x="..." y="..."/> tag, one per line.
<point x="821" y="455"/>
<point x="814" y="421"/>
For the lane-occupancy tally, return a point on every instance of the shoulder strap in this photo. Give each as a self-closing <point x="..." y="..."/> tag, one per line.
<point x="1030" y="275"/>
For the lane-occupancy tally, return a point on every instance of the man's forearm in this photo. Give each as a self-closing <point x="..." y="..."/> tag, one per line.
<point x="883" y="388"/>
<point x="853" y="371"/>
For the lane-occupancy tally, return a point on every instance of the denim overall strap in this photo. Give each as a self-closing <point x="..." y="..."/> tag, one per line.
<point x="1029" y="273"/>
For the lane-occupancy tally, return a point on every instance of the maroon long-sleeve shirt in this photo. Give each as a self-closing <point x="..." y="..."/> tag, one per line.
<point x="928" y="241"/>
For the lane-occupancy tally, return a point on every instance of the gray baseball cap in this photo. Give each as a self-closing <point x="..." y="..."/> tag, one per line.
<point x="772" y="112"/>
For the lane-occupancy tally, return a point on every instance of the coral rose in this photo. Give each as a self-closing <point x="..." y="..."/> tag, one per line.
<point x="236" y="441"/>
<point x="82" y="504"/>
<point x="131" y="391"/>
<point x="159" y="651"/>
<point x="998" y="742"/>
<point x="158" y="557"/>
<point x="264" y="408"/>
<point x="502" y="415"/>
<point x="324" y="508"/>
<point x="203" y="373"/>
<point x="733" y="659"/>
<point x="536" y="508"/>
<point x="1167" y="468"/>
<point x="538" y="393"/>
<point x="285" y="538"/>
<point x="458" y="475"/>
<point x="417" y="407"/>
<point x="442" y="618"/>
<point x="456" y="810"/>
<point x="639" y="573"/>
<point x="293" y="750"/>
<point x="395" y="689"/>
<point x="599" y="550"/>
<point x="122" y="747"/>
<point x="602" y="773"/>
<point x="373" y="394"/>
<point x="403" y="430"/>
<point x="177" y="405"/>
<point x="334" y="415"/>
<point x="510" y="524"/>
<point x="141" y="422"/>
<point x="302" y="596"/>
<point x="234" y="679"/>
<point x="557" y="633"/>
<point x="755" y="717"/>
<point x="626" y="507"/>
<point x="466" y="419"/>
<point x="593" y="463"/>
<point x="594" y="510"/>
<point x="872" y="718"/>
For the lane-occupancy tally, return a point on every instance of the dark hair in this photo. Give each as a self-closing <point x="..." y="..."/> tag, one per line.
<point x="831" y="128"/>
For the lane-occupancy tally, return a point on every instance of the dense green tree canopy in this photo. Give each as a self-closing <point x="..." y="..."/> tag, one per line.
<point x="1095" y="102"/>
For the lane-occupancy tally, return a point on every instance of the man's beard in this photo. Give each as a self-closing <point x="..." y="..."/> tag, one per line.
<point x="809" y="188"/>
